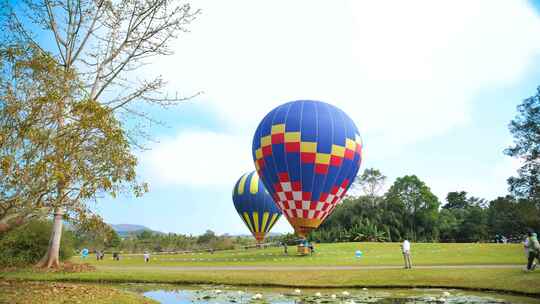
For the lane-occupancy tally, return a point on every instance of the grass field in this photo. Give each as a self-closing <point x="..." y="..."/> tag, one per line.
<point x="162" y="269"/>
<point x="509" y="280"/>
<point x="341" y="254"/>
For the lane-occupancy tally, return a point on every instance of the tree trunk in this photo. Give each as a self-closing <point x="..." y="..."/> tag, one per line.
<point x="52" y="257"/>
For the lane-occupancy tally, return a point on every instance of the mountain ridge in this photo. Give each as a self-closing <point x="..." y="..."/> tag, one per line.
<point x="125" y="230"/>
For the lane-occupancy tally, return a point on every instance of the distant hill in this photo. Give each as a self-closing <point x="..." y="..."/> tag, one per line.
<point x="125" y="230"/>
<point x="129" y="227"/>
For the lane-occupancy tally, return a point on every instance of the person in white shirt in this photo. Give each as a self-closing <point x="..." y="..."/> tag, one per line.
<point x="146" y="257"/>
<point x="406" y="249"/>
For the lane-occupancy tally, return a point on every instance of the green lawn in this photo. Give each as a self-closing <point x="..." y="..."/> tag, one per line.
<point x="493" y="279"/>
<point x="341" y="254"/>
<point x="132" y="268"/>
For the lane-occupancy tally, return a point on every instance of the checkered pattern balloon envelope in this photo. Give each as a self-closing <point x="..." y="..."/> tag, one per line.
<point x="307" y="154"/>
<point x="254" y="205"/>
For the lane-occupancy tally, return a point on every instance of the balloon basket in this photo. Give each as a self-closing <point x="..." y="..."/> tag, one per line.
<point x="302" y="250"/>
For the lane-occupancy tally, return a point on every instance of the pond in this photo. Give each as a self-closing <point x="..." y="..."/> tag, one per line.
<point x="167" y="294"/>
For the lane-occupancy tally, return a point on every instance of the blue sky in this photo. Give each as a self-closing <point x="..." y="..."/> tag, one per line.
<point x="432" y="88"/>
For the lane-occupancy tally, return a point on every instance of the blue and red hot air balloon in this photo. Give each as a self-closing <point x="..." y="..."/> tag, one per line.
<point x="307" y="154"/>
<point x="254" y="205"/>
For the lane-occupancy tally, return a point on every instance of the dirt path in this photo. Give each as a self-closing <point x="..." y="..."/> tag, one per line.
<point x="297" y="268"/>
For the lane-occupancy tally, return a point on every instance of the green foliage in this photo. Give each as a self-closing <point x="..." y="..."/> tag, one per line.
<point x="474" y="227"/>
<point x="113" y="241"/>
<point x="526" y="131"/>
<point x="511" y="216"/>
<point x="144" y="235"/>
<point x="26" y="244"/>
<point x="419" y="205"/>
<point x="449" y="225"/>
<point x="207" y="237"/>
<point x="172" y="242"/>
<point x="52" y="135"/>
<point x="357" y="219"/>
<point x="288" y="238"/>
<point x="29" y="85"/>
<point x="91" y="232"/>
<point x="456" y="200"/>
<point x="410" y="210"/>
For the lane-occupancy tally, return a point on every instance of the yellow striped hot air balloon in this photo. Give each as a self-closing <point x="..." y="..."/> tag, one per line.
<point x="254" y="205"/>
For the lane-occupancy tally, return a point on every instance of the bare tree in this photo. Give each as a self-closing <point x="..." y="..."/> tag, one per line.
<point x="100" y="42"/>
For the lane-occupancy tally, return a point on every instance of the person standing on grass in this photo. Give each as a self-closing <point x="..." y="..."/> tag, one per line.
<point x="285" y="249"/>
<point x="534" y="250"/>
<point x="526" y="246"/>
<point x="116" y="256"/>
<point x="146" y="257"/>
<point x="406" y="250"/>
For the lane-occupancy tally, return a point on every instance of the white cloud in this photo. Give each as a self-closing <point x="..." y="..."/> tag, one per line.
<point x="197" y="158"/>
<point x="404" y="71"/>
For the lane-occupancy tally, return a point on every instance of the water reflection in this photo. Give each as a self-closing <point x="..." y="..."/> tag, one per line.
<point x="222" y="295"/>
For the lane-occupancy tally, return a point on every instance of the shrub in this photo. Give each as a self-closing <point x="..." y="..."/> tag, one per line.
<point x="25" y="245"/>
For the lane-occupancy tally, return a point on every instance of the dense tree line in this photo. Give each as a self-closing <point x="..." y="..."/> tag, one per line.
<point x="103" y="238"/>
<point x="175" y="242"/>
<point x="462" y="219"/>
<point x="25" y="244"/>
